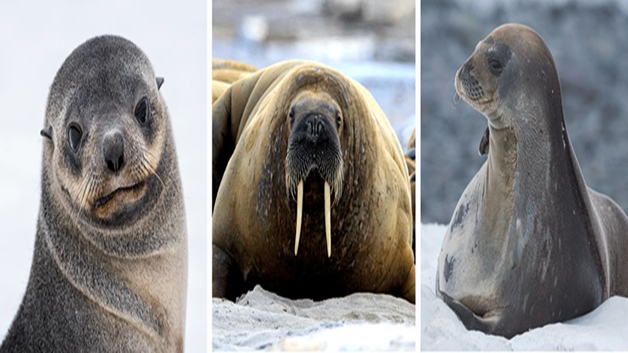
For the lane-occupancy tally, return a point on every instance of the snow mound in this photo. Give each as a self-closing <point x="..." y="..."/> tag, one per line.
<point x="361" y="321"/>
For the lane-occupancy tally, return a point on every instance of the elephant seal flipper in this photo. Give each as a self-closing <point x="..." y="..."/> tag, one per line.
<point x="484" y="143"/>
<point x="470" y="319"/>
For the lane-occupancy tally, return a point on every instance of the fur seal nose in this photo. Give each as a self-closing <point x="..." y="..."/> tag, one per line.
<point x="113" y="151"/>
<point x="315" y="126"/>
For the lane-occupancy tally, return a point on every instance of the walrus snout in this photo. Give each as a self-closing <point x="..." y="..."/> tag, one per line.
<point x="315" y="126"/>
<point x="314" y="146"/>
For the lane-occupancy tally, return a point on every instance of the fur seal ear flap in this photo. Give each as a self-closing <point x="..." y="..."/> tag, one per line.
<point x="160" y="81"/>
<point x="483" y="149"/>
<point x="46" y="132"/>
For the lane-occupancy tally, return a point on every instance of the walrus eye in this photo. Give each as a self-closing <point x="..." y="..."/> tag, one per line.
<point x="74" y="136"/>
<point x="291" y="116"/>
<point x="338" y="119"/>
<point x="141" y="111"/>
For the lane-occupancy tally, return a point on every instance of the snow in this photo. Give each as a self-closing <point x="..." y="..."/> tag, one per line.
<point x="603" y="329"/>
<point x="36" y="37"/>
<point x="262" y="320"/>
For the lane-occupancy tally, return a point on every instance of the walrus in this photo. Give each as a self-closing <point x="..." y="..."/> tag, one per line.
<point x="310" y="189"/>
<point x="218" y="88"/>
<point x="229" y="71"/>
<point x="226" y="72"/>
<point x="529" y="243"/>
<point x="109" y="271"/>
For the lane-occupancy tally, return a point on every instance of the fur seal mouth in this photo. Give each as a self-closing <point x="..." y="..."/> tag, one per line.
<point x="128" y="194"/>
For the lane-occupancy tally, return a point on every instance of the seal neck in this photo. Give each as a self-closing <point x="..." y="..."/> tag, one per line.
<point x="502" y="160"/>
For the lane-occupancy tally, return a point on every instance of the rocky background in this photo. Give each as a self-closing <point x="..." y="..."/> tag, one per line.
<point x="589" y="42"/>
<point x="371" y="41"/>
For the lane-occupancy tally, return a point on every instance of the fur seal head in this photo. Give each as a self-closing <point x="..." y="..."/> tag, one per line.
<point x="105" y="123"/>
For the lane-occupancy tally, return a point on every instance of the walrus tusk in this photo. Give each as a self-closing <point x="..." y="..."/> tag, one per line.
<point x="299" y="215"/>
<point x="328" y="218"/>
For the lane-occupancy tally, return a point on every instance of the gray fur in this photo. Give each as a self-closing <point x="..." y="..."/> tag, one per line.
<point x="110" y="287"/>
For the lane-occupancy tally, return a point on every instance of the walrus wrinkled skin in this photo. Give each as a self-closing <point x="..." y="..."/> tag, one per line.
<point x="109" y="270"/>
<point x="300" y="131"/>
<point x="529" y="243"/>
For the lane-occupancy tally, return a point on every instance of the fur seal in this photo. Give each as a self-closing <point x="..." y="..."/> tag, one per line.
<point x="529" y="243"/>
<point x="109" y="270"/>
<point x="311" y="191"/>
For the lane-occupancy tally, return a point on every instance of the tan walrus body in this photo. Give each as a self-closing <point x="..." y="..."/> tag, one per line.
<point x="226" y="72"/>
<point x="300" y="131"/>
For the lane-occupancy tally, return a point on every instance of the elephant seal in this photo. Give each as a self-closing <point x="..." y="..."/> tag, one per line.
<point x="311" y="193"/>
<point x="109" y="270"/>
<point x="529" y="243"/>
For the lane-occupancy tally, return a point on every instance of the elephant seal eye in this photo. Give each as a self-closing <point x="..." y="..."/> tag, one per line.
<point x="496" y="65"/>
<point x="142" y="112"/>
<point x="74" y="136"/>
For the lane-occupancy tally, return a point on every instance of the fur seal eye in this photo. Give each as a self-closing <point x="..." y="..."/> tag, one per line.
<point x="74" y="136"/>
<point x="141" y="111"/>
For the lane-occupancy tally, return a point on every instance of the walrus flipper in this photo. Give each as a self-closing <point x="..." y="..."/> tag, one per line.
<point x="469" y="319"/>
<point x="227" y="278"/>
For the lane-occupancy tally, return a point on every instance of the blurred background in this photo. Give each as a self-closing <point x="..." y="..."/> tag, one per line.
<point x="589" y="42"/>
<point x="35" y="39"/>
<point x="371" y="41"/>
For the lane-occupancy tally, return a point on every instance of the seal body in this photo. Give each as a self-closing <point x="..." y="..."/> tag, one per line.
<point x="109" y="269"/>
<point x="286" y="141"/>
<point x="529" y="243"/>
